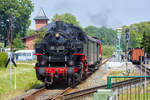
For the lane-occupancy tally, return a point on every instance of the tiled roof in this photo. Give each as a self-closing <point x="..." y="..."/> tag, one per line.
<point x="41" y="15"/>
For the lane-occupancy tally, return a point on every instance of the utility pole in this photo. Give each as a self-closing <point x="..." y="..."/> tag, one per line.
<point x="127" y="38"/>
<point x="11" y="33"/>
<point x="145" y="71"/>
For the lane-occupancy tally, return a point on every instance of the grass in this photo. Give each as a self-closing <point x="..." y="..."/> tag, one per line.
<point x="28" y="62"/>
<point x="136" y="93"/>
<point x="123" y="95"/>
<point x="120" y="73"/>
<point x="26" y="79"/>
<point x="1" y="44"/>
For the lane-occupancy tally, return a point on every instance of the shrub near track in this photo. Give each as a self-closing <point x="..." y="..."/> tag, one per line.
<point x="3" y="59"/>
<point x="107" y="50"/>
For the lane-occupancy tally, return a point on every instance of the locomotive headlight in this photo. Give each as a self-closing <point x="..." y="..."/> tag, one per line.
<point x="57" y="35"/>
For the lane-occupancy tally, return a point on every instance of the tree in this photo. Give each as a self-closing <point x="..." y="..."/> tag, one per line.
<point x="20" y="11"/>
<point x="29" y="32"/>
<point x="107" y="35"/>
<point x="139" y="36"/>
<point x="91" y="30"/>
<point x="146" y="43"/>
<point x="67" y="18"/>
<point x="17" y="43"/>
<point x="41" y="35"/>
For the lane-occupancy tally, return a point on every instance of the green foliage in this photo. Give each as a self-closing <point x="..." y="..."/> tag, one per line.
<point x="1" y="45"/>
<point x="146" y="43"/>
<point x="139" y="36"/>
<point x="107" y="35"/>
<point x="21" y="11"/>
<point x="41" y="35"/>
<point x="67" y="18"/>
<point x="29" y="32"/>
<point x="107" y="50"/>
<point x="17" y="43"/>
<point x="3" y="59"/>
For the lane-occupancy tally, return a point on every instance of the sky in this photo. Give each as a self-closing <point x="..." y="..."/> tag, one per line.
<point x="109" y="13"/>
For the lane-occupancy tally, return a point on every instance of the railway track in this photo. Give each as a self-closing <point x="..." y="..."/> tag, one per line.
<point x="34" y="95"/>
<point x="144" y="69"/>
<point x="60" y="94"/>
<point x="82" y="94"/>
<point x="90" y="91"/>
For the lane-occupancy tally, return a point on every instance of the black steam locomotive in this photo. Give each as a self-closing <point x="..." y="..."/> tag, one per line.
<point x="66" y="53"/>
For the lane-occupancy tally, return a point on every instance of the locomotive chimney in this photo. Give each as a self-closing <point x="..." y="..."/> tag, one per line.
<point x="59" y="25"/>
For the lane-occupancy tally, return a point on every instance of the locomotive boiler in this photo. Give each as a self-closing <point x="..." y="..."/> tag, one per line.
<point x="66" y="53"/>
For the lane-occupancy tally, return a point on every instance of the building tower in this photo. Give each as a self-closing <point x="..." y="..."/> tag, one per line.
<point x="41" y="19"/>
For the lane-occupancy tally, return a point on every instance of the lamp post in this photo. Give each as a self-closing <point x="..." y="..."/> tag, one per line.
<point x="119" y="30"/>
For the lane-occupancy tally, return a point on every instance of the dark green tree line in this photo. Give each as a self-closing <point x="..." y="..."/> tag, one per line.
<point x="107" y="35"/>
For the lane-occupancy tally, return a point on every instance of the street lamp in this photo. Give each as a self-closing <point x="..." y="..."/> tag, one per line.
<point x="119" y="30"/>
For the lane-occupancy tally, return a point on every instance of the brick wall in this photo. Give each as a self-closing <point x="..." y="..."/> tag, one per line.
<point x="30" y="41"/>
<point x="40" y="23"/>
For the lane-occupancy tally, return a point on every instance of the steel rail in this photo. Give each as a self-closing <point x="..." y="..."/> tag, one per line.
<point x="90" y="91"/>
<point x="32" y="95"/>
<point x="143" y="68"/>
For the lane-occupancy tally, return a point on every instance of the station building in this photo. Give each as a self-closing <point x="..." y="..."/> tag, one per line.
<point x="41" y="21"/>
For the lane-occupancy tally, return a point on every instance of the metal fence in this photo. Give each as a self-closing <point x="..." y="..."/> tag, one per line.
<point x="130" y="87"/>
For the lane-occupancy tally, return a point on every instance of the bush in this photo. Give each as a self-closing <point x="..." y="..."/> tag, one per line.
<point x="3" y="59"/>
<point x="107" y="50"/>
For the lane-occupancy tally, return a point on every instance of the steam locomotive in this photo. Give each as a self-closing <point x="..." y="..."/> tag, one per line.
<point x="66" y="53"/>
